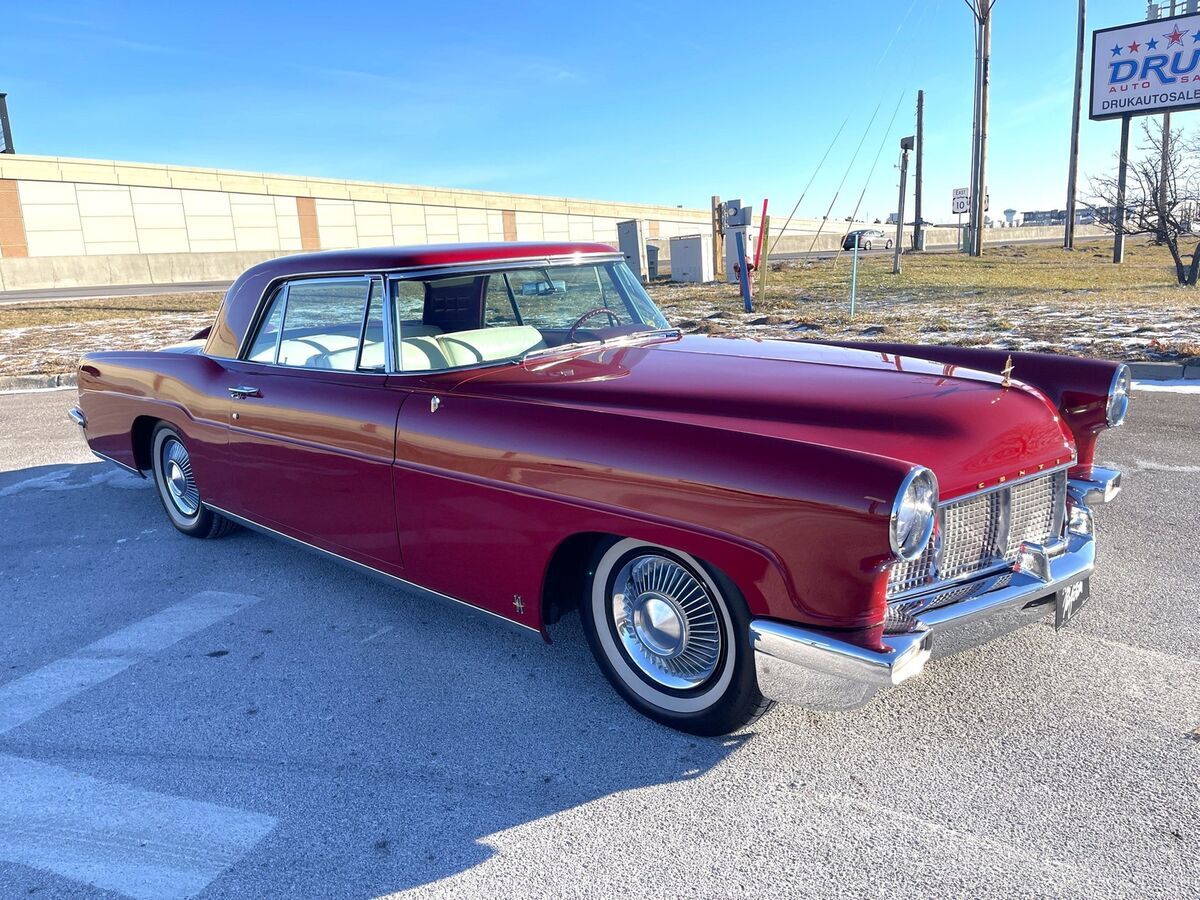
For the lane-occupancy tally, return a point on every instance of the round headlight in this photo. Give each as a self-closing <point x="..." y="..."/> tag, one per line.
<point x="913" y="513"/>
<point x="1118" y="396"/>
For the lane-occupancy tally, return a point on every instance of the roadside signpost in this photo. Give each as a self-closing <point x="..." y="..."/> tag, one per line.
<point x="960" y="201"/>
<point x="1143" y="69"/>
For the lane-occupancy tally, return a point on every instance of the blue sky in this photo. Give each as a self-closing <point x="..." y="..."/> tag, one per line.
<point x="659" y="102"/>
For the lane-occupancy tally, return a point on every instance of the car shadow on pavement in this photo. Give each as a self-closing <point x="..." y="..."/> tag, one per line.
<point x="393" y="738"/>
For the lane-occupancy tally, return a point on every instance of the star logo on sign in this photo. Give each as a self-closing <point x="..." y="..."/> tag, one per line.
<point x="1175" y="37"/>
<point x="1133" y="48"/>
<point x="1152" y="44"/>
<point x="1116" y="50"/>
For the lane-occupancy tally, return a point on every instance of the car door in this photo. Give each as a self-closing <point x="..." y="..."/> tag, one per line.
<point x="312" y="419"/>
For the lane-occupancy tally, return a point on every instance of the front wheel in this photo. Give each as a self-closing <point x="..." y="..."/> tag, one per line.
<point x="889" y="245"/>
<point x="672" y="637"/>
<point x="177" y="488"/>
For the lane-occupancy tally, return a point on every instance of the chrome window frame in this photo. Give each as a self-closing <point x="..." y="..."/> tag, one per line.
<point x="399" y="271"/>
<point x="285" y="285"/>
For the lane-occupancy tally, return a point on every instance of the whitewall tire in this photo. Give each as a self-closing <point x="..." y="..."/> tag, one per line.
<point x="672" y="636"/>
<point x="171" y="468"/>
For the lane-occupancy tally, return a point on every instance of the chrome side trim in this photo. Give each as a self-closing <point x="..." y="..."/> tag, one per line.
<point x="363" y="567"/>
<point x="819" y="671"/>
<point x="1097" y="487"/>
<point x="116" y="462"/>
<point x="77" y="416"/>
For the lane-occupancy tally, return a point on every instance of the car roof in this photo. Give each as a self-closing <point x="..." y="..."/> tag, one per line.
<point x="241" y="301"/>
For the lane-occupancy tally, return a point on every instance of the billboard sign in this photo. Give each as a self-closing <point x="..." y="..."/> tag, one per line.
<point x="1146" y="68"/>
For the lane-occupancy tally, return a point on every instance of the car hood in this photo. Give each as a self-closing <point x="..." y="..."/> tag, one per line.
<point x="966" y="425"/>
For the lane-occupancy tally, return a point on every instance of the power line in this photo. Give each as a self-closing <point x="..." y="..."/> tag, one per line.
<point x="842" y="183"/>
<point x="807" y="186"/>
<point x="882" y="142"/>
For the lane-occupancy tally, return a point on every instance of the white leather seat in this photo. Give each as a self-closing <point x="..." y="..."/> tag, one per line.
<point x="309" y="350"/>
<point x="465" y="348"/>
<point x="418" y="354"/>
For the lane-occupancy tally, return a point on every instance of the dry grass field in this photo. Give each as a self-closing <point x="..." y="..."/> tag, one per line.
<point x="1033" y="297"/>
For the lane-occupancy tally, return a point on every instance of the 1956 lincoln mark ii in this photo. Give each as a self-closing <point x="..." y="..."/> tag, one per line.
<point x="516" y="427"/>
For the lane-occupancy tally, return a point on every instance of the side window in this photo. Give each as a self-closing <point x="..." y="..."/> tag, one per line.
<point x="497" y="303"/>
<point x="371" y="358"/>
<point x="322" y="324"/>
<point x="408" y="298"/>
<point x="263" y="348"/>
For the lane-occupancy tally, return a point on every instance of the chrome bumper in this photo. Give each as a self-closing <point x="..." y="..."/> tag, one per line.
<point x="813" y="669"/>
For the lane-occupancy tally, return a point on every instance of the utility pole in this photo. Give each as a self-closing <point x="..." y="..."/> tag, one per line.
<point x="1162" y="169"/>
<point x="6" y="145"/>
<point x="1122" y="169"/>
<point x="918" y="222"/>
<point x="982" y="11"/>
<point x="969" y="241"/>
<point x="906" y="144"/>
<point x="1073" y="167"/>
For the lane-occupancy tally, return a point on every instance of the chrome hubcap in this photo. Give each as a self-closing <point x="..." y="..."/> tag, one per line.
<point x="177" y="473"/>
<point x="666" y="621"/>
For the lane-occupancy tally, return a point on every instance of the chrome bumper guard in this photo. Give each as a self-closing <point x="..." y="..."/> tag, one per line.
<point x="815" y="670"/>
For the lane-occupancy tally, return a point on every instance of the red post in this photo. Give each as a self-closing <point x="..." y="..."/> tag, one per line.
<point x="758" y="243"/>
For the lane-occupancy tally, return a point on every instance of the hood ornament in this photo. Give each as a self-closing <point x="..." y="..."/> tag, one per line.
<point x="1007" y="373"/>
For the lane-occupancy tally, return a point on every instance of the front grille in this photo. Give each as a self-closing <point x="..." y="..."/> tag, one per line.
<point x="984" y="532"/>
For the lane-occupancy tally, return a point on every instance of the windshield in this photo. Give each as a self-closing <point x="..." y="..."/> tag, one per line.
<point x="449" y="321"/>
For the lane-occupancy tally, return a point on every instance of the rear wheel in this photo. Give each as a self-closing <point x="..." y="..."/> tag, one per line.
<point x="177" y="488"/>
<point x="867" y="245"/>
<point x="672" y="637"/>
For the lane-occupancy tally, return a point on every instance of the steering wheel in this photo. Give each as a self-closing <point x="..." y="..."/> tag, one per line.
<point x="591" y="314"/>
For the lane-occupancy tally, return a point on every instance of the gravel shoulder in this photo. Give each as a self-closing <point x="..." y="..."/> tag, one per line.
<point x="1020" y="297"/>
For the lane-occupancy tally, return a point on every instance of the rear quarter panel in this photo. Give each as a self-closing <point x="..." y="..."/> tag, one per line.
<point x="117" y="390"/>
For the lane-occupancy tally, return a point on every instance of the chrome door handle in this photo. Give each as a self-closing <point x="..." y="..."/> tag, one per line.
<point x="241" y="392"/>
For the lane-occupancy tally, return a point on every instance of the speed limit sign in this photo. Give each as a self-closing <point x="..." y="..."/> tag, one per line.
<point x="960" y="202"/>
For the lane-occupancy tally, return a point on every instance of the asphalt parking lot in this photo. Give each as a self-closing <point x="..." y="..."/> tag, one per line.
<point x="241" y="718"/>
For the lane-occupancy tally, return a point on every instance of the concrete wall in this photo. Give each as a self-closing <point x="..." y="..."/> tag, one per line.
<point x="72" y="222"/>
<point x="79" y="222"/>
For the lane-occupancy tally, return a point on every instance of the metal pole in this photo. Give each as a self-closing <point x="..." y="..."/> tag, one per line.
<point x="1162" y="169"/>
<point x="900" y="214"/>
<point x="854" y="278"/>
<point x="984" y="76"/>
<point x="6" y="145"/>
<point x="1122" y="166"/>
<point x="1073" y="167"/>
<point x="969" y="243"/>
<point x="918" y="222"/>
<point x="739" y="236"/>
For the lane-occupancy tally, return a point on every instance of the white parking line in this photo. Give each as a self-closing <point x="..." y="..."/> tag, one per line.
<point x="59" y="681"/>
<point x="141" y="843"/>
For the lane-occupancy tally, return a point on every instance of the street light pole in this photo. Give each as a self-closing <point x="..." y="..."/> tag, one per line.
<point x="984" y="78"/>
<point x="1073" y="168"/>
<point x="981" y="10"/>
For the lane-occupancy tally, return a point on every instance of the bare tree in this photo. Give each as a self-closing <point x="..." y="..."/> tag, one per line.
<point x="1167" y="214"/>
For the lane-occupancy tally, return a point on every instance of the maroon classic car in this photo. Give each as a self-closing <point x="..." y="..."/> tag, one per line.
<point x="516" y="427"/>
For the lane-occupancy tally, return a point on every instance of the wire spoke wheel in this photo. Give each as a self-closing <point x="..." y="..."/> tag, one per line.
<point x="666" y="622"/>
<point x="178" y="477"/>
